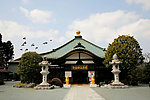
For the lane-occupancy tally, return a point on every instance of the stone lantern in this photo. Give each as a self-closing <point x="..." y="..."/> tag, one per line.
<point x="44" y="72"/>
<point x="115" y="70"/>
<point x="115" y="63"/>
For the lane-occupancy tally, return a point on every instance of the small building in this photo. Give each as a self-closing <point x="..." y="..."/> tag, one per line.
<point x="5" y="74"/>
<point x="79" y="59"/>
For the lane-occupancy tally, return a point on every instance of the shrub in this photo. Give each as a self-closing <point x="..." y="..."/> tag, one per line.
<point x="1" y="82"/>
<point x="57" y="82"/>
<point x="29" y="68"/>
<point x="16" y="77"/>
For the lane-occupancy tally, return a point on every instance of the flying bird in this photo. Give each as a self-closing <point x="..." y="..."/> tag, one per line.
<point x="32" y="44"/>
<point x="24" y="38"/>
<point x="22" y="44"/>
<point x="36" y="47"/>
<point x="26" y="49"/>
<point x="25" y="42"/>
<point x="45" y="43"/>
<point x="21" y="49"/>
<point x="50" y="40"/>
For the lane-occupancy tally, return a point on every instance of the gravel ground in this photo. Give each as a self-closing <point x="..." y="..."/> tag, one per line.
<point x="7" y="92"/>
<point x="131" y="93"/>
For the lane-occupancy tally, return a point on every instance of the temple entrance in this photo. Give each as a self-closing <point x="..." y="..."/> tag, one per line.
<point x="80" y="77"/>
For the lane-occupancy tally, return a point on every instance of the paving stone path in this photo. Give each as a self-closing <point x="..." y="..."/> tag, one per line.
<point x="82" y="92"/>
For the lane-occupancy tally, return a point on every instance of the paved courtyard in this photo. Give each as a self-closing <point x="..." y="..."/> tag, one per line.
<point x="82" y="92"/>
<point x="131" y="93"/>
<point x="76" y="92"/>
<point x="7" y="92"/>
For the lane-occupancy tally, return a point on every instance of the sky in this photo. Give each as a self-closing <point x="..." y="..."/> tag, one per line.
<point x="100" y="22"/>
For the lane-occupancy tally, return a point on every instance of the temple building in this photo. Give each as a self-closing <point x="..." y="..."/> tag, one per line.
<point x="79" y="59"/>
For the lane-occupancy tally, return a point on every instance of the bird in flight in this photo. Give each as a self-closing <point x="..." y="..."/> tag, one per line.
<point x="24" y="38"/>
<point x="22" y="45"/>
<point x="45" y="43"/>
<point x="32" y="44"/>
<point x="36" y="47"/>
<point x="26" y="49"/>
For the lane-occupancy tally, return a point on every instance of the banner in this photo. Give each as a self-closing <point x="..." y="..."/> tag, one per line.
<point x="90" y="73"/>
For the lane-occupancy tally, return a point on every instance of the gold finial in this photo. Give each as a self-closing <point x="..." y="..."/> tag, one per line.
<point x="78" y="33"/>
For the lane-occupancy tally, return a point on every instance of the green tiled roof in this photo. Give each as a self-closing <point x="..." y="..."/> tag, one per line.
<point x="68" y="47"/>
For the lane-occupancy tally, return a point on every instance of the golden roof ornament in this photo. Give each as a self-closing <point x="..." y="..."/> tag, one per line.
<point x="78" y="33"/>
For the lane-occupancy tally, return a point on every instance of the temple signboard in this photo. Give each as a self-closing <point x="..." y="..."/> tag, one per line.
<point x="68" y="73"/>
<point x="79" y="67"/>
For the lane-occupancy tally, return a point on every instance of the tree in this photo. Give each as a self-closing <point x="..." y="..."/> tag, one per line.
<point x="128" y="51"/>
<point x="6" y="52"/>
<point x="28" y="67"/>
<point x="1" y="52"/>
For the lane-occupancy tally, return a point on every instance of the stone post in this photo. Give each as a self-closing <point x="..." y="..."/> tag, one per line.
<point x="93" y="79"/>
<point x="92" y="84"/>
<point x="67" y="80"/>
<point x="67" y="85"/>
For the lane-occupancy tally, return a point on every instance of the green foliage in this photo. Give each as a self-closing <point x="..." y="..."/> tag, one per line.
<point x="6" y="52"/>
<point x="136" y="76"/>
<point x="147" y="72"/>
<point x="128" y="51"/>
<point x="16" y="77"/>
<point x="1" y="82"/>
<point x="28" y="67"/>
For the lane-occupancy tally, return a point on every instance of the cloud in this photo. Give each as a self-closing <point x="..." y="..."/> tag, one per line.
<point x="140" y="28"/>
<point x="14" y="32"/>
<point x="11" y="29"/>
<point x="145" y="3"/>
<point x="25" y="1"/>
<point x="102" y="26"/>
<point x="37" y="16"/>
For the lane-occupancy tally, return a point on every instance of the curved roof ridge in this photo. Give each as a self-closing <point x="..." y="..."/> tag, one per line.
<point x="69" y="46"/>
<point x="93" y="44"/>
<point x="58" y="47"/>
